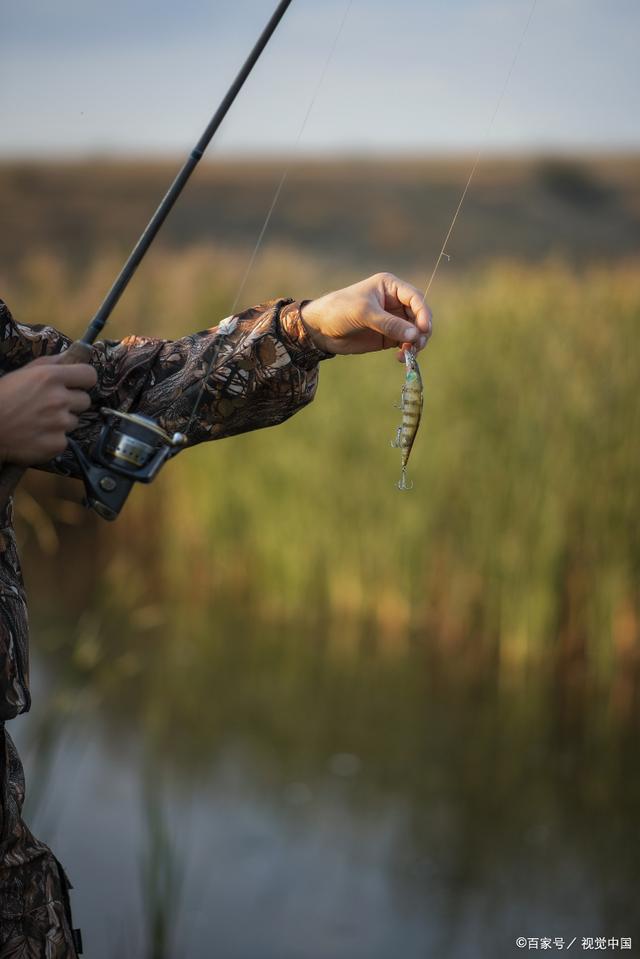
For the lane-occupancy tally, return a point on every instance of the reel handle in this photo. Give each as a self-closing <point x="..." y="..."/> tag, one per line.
<point x="11" y="473"/>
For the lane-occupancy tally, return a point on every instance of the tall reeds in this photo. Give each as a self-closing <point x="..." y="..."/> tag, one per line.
<point x="520" y="536"/>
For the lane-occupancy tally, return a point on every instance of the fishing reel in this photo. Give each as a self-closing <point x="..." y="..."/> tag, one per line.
<point x="130" y="449"/>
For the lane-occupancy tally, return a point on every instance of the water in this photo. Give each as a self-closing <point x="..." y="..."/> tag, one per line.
<point x="272" y="795"/>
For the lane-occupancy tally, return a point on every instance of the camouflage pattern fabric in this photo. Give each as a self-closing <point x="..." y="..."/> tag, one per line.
<point x="265" y="368"/>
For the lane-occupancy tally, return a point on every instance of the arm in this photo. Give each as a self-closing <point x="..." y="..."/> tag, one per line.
<point x="263" y="371"/>
<point x="264" y="368"/>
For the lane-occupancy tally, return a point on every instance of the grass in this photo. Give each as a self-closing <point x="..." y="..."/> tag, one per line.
<point x="517" y="547"/>
<point x="474" y="643"/>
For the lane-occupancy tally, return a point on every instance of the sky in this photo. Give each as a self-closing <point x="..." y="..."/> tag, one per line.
<point x="80" y="77"/>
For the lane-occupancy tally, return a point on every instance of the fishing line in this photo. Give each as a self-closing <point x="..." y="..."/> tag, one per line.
<point x="110" y="474"/>
<point x="289" y="166"/>
<point x="271" y="210"/>
<point x="481" y="151"/>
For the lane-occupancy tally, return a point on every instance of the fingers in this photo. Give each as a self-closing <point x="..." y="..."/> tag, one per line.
<point x="393" y="329"/>
<point x="79" y="376"/>
<point x="71" y="385"/>
<point x="402" y="296"/>
<point x="78" y="401"/>
<point x="62" y="411"/>
<point x="66" y="389"/>
<point x="75" y="376"/>
<point x="70" y="422"/>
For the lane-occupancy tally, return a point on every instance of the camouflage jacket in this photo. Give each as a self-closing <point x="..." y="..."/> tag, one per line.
<point x="264" y="370"/>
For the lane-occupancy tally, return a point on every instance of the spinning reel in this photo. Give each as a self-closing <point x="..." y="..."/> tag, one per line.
<point x="130" y="449"/>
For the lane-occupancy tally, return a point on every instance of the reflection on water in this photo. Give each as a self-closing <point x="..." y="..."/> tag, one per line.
<point x="262" y="795"/>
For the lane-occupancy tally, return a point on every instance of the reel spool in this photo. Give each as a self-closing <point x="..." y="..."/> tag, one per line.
<point x="130" y="449"/>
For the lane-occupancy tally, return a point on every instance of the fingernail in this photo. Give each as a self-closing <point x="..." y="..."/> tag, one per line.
<point x="411" y="334"/>
<point x="423" y="342"/>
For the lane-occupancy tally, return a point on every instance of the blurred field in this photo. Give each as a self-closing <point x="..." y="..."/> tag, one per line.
<point x="272" y="609"/>
<point x="518" y="546"/>
<point x="370" y="214"/>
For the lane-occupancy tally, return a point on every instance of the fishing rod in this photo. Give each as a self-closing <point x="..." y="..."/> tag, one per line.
<point x="132" y="448"/>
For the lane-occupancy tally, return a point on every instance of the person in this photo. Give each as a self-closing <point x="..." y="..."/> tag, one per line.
<point x="265" y="369"/>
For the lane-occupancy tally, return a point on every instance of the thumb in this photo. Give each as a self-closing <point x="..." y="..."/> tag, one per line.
<point x="393" y="327"/>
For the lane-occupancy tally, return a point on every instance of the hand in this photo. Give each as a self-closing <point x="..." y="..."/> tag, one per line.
<point x="39" y="405"/>
<point x="375" y="314"/>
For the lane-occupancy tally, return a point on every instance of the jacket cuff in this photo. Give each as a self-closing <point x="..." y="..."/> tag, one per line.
<point x="296" y="339"/>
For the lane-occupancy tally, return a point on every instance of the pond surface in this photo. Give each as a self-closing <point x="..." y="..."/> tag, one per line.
<point x="275" y="799"/>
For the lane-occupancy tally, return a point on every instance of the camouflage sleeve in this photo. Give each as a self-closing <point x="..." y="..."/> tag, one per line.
<point x="14" y="649"/>
<point x="255" y="369"/>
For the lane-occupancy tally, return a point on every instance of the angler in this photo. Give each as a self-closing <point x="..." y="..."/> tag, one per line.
<point x="255" y="369"/>
<point x="267" y="364"/>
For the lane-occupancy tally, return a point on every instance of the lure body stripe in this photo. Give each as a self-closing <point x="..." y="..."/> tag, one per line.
<point x="411" y="409"/>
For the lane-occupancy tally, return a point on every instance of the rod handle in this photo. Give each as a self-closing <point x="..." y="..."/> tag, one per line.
<point x="12" y="473"/>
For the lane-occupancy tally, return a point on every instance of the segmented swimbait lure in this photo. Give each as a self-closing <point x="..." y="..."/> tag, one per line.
<point x="411" y="409"/>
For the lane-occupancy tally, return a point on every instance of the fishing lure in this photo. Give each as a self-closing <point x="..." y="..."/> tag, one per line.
<point x="411" y="409"/>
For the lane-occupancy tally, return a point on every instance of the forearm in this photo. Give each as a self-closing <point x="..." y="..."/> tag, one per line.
<point x="257" y="374"/>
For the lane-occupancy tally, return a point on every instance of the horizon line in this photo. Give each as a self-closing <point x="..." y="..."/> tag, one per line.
<point x="453" y="153"/>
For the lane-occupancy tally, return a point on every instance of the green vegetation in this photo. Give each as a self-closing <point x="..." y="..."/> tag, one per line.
<point x="518" y="547"/>
<point x="472" y="647"/>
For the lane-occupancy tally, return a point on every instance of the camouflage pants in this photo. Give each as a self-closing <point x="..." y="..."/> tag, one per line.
<point x="35" y="915"/>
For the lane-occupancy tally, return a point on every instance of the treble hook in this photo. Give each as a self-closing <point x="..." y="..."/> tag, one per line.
<point x="402" y="482"/>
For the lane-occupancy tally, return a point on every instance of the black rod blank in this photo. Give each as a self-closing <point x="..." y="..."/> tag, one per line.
<point x="135" y="257"/>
